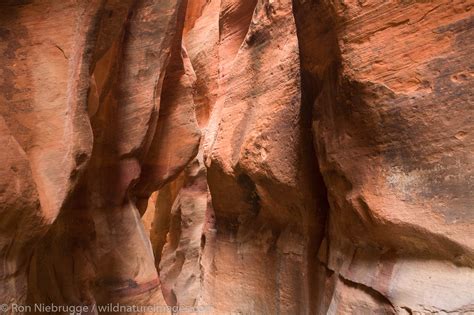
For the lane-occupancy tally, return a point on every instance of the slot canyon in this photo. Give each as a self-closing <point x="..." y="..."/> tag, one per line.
<point x="237" y="156"/>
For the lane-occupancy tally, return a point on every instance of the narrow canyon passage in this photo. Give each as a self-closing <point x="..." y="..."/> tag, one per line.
<point x="237" y="156"/>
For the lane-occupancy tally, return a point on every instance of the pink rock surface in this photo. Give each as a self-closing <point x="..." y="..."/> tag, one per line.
<point x="242" y="156"/>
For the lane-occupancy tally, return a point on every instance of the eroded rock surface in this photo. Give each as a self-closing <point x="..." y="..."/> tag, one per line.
<point x="245" y="156"/>
<point x="392" y="124"/>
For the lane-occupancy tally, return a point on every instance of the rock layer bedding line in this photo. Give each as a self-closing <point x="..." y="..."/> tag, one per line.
<point x="249" y="156"/>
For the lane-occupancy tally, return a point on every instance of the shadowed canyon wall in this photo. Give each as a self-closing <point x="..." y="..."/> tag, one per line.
<point x="243" y="156"/>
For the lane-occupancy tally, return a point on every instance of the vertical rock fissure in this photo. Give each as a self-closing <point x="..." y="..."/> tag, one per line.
<point x="319" y="56"/>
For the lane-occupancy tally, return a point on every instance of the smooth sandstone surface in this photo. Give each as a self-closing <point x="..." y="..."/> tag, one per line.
<point x="241" y="156"/>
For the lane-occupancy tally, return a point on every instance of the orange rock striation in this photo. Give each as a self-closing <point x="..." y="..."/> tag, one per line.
<point x="250" y="156"/>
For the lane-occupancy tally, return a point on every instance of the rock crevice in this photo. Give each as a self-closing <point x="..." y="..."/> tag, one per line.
<point x="250" y="156"/>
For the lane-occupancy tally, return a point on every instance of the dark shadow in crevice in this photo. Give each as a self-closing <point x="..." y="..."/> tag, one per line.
<point x="319" y="66"/>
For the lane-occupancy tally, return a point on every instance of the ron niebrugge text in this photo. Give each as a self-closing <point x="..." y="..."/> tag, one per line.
<point x="108" y="308"/>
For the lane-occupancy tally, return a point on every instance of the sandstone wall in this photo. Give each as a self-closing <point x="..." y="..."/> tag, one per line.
<point x="254" y="156"/>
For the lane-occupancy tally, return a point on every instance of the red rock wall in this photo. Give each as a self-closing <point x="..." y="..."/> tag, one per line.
<point x="392" y="124"/>
<point x="254" y="156"/>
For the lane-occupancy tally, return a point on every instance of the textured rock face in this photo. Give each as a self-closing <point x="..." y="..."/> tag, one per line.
<point x="392" y="123"/>
<point x="87" y="135"/>
<point x="250" y="156"/>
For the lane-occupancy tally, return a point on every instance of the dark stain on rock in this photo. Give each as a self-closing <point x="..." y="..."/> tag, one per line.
<point x="252" y="198"/>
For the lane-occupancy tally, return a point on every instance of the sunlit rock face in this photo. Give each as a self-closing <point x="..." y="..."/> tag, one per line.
<point x="241" y="156"/>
